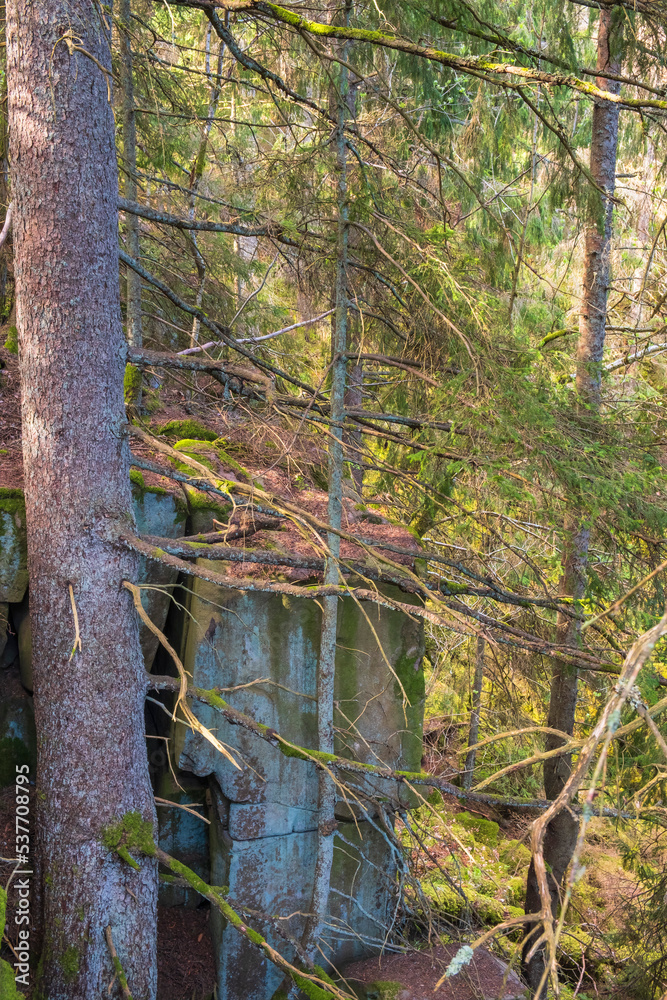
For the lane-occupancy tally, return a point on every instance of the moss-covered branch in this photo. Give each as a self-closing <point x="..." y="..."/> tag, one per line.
<point x="464" y="64"/>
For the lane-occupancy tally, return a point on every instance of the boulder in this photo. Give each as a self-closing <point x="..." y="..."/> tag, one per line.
<point x="274" y="875"/>
<point x="262" y="650"/>
<point x="13" y="548"/>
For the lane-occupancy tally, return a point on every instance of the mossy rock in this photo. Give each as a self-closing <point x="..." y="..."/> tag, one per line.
<point x="382" y="990"/>
<point x="139" y="487"/>
<point x="515" y="890"/>
<point x="515" y="855"/>
<point x="485" y="831"/>
<point x="13" y="546"/>
<point x="203" y="510"/>
<point x="489" y="911"/>
<point x="222" y="450"/>
<point x="201" y="451"/>
<point x="574" y="947"/>
<point x="187" y="429"/>
<point x="443" y="898"/>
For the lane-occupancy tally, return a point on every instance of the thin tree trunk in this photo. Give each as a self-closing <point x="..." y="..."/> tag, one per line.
<point x="473" y="732"/>
<point x="561" y="833"/>
<point x="89" y="695"/>
<point x="327" y="659"/>
<point x="133" y="280"/>
<point x="197" y="173"/>
<point x="354" y="399"/>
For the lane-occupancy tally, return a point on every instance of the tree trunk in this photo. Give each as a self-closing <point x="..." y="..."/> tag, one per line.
<point x="89" y="695"/>
<point x="473" y="732"/>
<point x="561" y="833"/>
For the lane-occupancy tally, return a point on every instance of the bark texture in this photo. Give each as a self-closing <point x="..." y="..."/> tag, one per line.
<point x="561" y="835"/>
<point x="92" y="765"/>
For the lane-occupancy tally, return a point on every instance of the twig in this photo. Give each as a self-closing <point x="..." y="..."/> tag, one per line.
<point x="77" y="635"/>
<point x="179" y="805"/>
<point x="118" y="968"/>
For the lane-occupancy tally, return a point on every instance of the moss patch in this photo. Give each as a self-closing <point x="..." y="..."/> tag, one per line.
<point x="190" y="429"/>
<point x="515" y="855"/>
<point x="131" y="384"/>
<point x="130" y="833"/>
<point x="226" y="459"/>
<point x="383" y="990"/>
<point x="140" y="487"/>
<point x="70" y="964"/>
<point x="12" y="340"/>
<point x="8" y="989"/>
<point x="484" y="830"/>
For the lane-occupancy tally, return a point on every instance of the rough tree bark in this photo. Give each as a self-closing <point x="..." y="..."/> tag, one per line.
<point x="561" y="833"/>
<point x="89" y="684"/>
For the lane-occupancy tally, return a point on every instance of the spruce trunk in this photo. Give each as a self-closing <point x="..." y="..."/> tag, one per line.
<point x="89" y="684"/>
<point x="561" y="834"/>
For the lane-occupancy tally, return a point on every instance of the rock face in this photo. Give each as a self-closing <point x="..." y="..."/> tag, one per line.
<point x="13" y="562"/>
<point x="156" y="513"/>
<point x="263" y="649"/>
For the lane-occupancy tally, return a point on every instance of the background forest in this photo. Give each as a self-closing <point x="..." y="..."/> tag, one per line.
<point x="413" y="256"/>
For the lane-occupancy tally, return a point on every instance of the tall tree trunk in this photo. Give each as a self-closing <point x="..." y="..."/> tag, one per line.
<point x="561" y="833"/>
<point x="89" y="694"/>
<point x="326" y="667"/>
<point x="473" y="732"/>
<point x="197" y="172"/>
<point x="354" y="400"/>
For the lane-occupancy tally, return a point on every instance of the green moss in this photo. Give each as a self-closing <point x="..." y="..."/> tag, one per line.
<point x="573" y="947"/>
<point x="8" y="989"/>
<point x="485" y="830"/>
<point x="190" y="429"/>
<point x="131" y="384"/>
<point x="515" y="890"/>
<point x="515" y="855"/>
<point x="227" y="460"/>
<point x="202" y="502"/>
<point x="12" y="340"/>
<point x="383" y="990"/>
<point x="317" y="755"/>
<point x="140" y="488"/>
<point x="12" y="501"/>
<point x="490" y="911"/>
<point x="443" y="898"/>
<point x="311" y="990"/>
<point x="70" y="964"/>
<point x="130" y="833"/>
